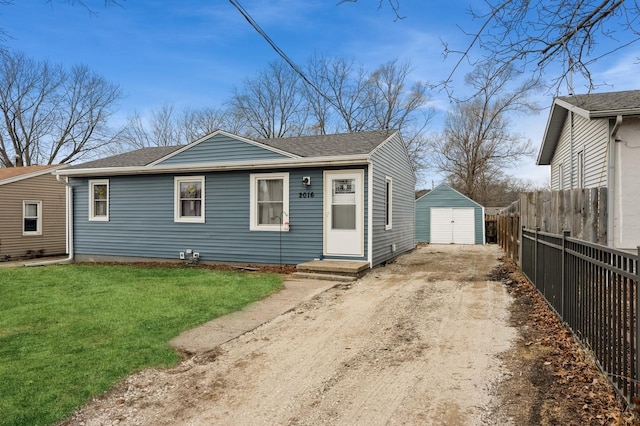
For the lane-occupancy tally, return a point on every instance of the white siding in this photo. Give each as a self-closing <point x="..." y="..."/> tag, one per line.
<point x="626" y="204"/>
<point x="589" y="136"/>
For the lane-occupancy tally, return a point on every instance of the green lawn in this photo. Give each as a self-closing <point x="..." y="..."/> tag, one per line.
<point x="69" y="332"/>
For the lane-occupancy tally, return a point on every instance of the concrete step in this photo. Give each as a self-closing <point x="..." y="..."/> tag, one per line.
<point x="324" y="276"/>
<point x="355" y="269"/>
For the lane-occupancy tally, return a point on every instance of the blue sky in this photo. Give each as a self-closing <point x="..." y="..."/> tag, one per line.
<point x="192" y="53"/>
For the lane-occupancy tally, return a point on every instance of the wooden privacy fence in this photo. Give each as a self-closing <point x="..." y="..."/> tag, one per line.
<point x="508" y="234"/>
<point x="582" y="212"/>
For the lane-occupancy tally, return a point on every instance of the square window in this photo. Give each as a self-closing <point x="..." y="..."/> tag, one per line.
<point x="99" y="200"/>
<point x="269" y="201"/>
<point x="189" y="199"/>
<point x="31" y="218"/>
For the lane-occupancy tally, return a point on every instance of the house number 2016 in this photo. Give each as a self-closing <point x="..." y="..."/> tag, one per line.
<point x="306" y="195"/>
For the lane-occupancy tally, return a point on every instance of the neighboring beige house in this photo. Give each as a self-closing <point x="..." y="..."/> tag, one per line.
<point x="32" y="212"/>
<point x="593" y="141"/>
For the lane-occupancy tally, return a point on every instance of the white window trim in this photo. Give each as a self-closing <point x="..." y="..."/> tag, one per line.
<point x="560" y="177"/>
<point x="253" y="190"/>
<point x="38" y="230"/>
<point x="176" y="200"/>
<point x="580" y="169"/>
<point x="92" y="213"/>
<point x="388" y="183"/>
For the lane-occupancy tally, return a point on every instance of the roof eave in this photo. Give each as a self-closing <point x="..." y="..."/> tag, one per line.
<point x="614" y="113"/>
<point x="552" y="132"/>
<point x="49" y="170"/>
<point x="209" y="167"/>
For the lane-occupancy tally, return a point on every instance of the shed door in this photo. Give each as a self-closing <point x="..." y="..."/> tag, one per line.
<point x="452" y="225"/>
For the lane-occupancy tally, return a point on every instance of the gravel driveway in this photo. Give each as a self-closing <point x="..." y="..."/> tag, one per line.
<point x="414" y="342"/>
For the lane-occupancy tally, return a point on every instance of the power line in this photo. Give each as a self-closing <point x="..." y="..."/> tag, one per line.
<point x="280" y="52"/>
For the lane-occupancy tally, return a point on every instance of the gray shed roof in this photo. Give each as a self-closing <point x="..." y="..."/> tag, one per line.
<point x="589" y="106"/>
<point x="303" y="146"/>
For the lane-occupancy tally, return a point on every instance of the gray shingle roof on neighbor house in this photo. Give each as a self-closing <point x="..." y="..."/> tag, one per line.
<point x="591" y="106"/>
<point x="606" y="103"/>
<point x="304" y="146"/>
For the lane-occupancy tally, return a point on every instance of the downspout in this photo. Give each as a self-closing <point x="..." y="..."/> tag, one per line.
<point x="68" y="226"/>
<point x="611" y="182"/>
<point x="370" y="215"/>
<point x="571" y="149"/>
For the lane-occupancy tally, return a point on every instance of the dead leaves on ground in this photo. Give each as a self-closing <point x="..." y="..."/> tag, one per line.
<point x="571" y="389"/>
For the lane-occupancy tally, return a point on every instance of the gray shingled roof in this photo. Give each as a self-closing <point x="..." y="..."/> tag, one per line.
<point x="603" y="102"/>
<point x="139" y="157"/>
<point x="330" y="145"/>
<point x="304" y="146"/>
<point x="593" y="106"/>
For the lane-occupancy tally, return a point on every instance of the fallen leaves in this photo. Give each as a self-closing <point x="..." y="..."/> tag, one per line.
<point x="569" y="388"/>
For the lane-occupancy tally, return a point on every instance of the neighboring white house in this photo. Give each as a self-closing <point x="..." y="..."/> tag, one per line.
<point x="592" y="141"/>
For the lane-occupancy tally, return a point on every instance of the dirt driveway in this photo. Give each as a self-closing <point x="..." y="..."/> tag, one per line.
<point x="426" y="340"/>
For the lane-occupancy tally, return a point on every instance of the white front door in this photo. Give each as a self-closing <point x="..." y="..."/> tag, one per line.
<point x="343" y="214"/>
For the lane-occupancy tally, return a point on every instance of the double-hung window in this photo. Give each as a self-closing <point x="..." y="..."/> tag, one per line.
<point x="31" y="218"/>
<point x="99" y="200"/>
<point x="189" y="199"/>
<point x="269" y="201"/>
<point x="388" y="203"/>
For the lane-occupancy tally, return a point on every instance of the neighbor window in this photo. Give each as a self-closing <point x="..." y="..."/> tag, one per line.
<point x="560" y="177"/>
<point x="388" y="202"/>
<point x="99" y="200"/>
<point x="189" y="199"/>
<point x="269" y="201"/>
<point x="31" y="218"/>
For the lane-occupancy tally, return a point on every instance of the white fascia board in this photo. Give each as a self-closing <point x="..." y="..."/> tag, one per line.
<point x="614" y="113"/>
<point x="597" y="114"/>
<point x="232" y="165"/>
<point x="49" y="170"/>
<point x="570" y="107"/>
<point x="227" y="134"/>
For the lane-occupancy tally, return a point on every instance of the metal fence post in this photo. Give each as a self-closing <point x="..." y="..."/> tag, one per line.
<point x="634" y="379"/>
<point x="535" y="260"/>
<point x="563" y="277"/>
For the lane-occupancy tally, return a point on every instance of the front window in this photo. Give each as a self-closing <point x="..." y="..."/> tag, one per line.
<point x="269" y="201"/>
<point x="99" y="200"/>
<point x="189" y="199"/>
<point x="32" y="218"/>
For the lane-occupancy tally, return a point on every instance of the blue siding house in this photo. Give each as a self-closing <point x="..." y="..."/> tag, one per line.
<point x="445" y="216"/>
<point x="236" y="200"/>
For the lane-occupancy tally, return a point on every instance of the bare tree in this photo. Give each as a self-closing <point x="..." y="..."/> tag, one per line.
<point x="344" y="87"/>
<point x="532" y="35"/>
<point x="346" y="97"/>
<point x="393" y="105"/>
<point x="477" y="141"/>
<point x="166" y="127"/>
<point x="271" y="104"/>
<point x="50" y="114"/>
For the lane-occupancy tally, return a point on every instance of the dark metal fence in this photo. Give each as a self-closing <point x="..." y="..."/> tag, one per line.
<point x="594" y="290"/>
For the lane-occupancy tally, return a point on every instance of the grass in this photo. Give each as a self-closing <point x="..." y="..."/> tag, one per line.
<point x="70" y="332"/>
